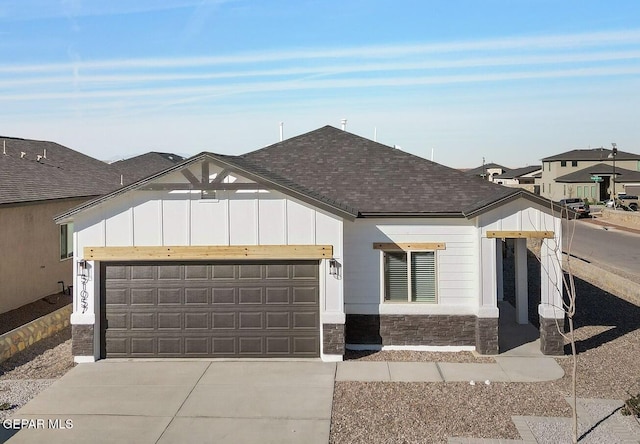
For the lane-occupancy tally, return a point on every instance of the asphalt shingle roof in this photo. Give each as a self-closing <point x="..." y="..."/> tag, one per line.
<point x="64" y="173"/>
<point x="144" y="165"/>
<point x="519" y="172"/>
<point x="371" y="177"/>
<point x="592" y="154"/>
<point x="584" y="175"/>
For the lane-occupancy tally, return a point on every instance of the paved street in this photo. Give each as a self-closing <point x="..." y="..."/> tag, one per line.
<point x="610" y="247"/>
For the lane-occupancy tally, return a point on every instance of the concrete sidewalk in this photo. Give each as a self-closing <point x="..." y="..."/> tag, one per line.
<point x="506" y="369"/>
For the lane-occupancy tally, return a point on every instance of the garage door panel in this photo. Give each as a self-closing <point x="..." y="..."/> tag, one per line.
<point x="249" y="320"/>
<point x="278" y="296"/>
<point x="117" y="296"/>
<point x="306" y="271"/>
<point x="305" y="295"/>
<point x="223" y="271"/>
<point x="196" y="321"/>
<point x="212" y="310"/>
<point x="170" y="272"/>
<point x="172" y="296"/>
<point x="142" y="272"/>
<point x="223" y="296"/>
<point x="143" y="296"/>
<point x="278" y="319"/>
<point x="200" y="272"/>
<point x="253" y="271"/>
<point x="196" y="296"/>
<point x="250" y="295"/>
<point x="223" y="321"/>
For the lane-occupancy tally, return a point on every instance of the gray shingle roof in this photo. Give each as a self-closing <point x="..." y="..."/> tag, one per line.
<point x="479" y="170"/>
<point x="591" y="154"/>
<point x="144" y="165"/>
<point x="519" y="172"/>
<point x="64" y="173"/>
<point x="584" y="175"/>
<point x="371" y="177"/>
<point x="354" y="176"/>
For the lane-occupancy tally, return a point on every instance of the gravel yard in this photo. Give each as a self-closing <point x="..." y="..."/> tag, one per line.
<point x="27" y="373"/>
<point x="413" y="356"/>
<point x="608" y="342"/>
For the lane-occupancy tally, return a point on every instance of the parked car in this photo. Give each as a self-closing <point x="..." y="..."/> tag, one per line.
<point x="625" y="202"/>
<point x="578" y="205"/>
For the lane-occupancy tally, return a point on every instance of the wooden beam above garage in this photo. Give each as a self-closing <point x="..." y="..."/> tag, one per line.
<point x="390" y="246"/>
<point x="257" y="252"/>
<point x="520" y="234"/>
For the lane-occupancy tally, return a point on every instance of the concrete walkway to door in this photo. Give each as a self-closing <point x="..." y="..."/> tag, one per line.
<point x="186" y="401"/>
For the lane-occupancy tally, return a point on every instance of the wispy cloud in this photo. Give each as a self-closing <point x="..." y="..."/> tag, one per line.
<point x="20" y="10"/>
<point x="554" y="42"/>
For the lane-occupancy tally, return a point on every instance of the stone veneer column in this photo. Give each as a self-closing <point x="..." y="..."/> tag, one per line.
<point x="82" y="340"/>
<point x="487" y="336"/>
<point x="551" y="341"/>
<point x="333" y="339"/>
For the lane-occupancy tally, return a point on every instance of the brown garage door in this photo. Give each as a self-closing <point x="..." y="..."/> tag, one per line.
<point x="220" y="309"/>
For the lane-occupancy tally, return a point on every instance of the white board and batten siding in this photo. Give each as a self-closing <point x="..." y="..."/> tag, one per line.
<point x="456" y="266"/>
<point x="159" y="218"/>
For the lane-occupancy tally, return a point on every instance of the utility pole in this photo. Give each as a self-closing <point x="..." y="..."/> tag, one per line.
<point x="614" y="153"/>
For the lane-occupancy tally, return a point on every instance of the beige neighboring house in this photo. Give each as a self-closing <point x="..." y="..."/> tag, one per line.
<point x="520" y="178"/>
<point x="39" y="180"/>
<point x="570" y="174"/>
<point x="488" y="171"/>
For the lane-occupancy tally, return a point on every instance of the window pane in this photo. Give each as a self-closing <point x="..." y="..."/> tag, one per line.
<point x="70" y="240"/>
<point x="396" y="276"/>
<point x="63" y="241"/>
<point x="423" y="277"/>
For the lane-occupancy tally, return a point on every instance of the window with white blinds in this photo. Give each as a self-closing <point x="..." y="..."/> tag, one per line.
<point x="410" y="276"/>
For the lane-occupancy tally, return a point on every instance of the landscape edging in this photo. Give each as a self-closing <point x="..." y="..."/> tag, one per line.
<point x="22" y="337"/>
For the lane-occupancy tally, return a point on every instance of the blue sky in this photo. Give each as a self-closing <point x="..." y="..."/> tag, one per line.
<point x="511" y="81"/>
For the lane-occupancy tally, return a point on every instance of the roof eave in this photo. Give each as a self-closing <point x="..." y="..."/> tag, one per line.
<point x="400" y="214"/>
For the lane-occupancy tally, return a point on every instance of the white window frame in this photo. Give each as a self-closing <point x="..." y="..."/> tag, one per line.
<point x="67" y="253"/>
<point x="409" y="254"/>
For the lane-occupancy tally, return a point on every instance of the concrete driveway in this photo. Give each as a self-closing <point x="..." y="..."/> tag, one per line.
<point x="185" y="401"/>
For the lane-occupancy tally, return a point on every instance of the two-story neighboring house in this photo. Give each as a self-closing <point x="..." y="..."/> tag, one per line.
<point x="488" y="171"/>
<point x="588" y="173"/>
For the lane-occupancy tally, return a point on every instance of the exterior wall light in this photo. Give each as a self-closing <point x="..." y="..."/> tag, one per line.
<point x="83" y="269"/>
<point x="333" y="267"/>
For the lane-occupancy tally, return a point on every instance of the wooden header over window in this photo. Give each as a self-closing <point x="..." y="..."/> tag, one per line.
<point x="520" y="234"/>
<point x="208" y="252"/>
<point x="409" y="246"/>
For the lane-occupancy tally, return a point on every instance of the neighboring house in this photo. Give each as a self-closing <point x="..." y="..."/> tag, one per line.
<point x="570" y="174"/>
<point x="487" y="171"/>
<point x="139" y="167"/>
<point x="520" y="178"/>
<point x="39" y="180"/>
<point x="300" y="248"/>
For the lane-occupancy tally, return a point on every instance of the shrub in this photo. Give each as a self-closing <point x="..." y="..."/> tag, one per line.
<point x="632" y="406"/>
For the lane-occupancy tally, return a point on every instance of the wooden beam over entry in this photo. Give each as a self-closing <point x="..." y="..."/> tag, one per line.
<point x="208" y="252"/>
<point x="521" y="234"/>
<point x="409" y="246"/>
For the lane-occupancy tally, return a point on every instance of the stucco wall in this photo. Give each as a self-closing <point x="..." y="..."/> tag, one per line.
<point x="30" y="265"/>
